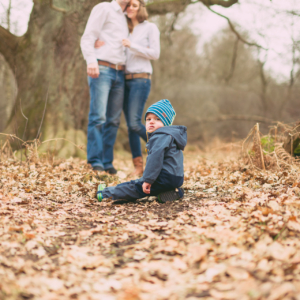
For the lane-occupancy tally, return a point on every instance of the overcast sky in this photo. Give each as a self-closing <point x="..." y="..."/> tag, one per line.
<point x="269" y="24"/>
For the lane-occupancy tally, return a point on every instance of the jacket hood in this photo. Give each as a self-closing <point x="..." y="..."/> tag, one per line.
<point x="177" y="132"/>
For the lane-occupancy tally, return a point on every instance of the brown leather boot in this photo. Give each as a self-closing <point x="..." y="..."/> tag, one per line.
<point x="138" y="165"/>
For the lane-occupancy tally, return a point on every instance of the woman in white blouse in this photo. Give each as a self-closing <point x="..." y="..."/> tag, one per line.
<point x="142" y="45"/>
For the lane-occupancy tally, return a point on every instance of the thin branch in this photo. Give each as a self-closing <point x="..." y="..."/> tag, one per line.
<point x="8" y="14"/>
<point x="294" y="61"/>
<point x="264" y="85"/>
<point x="293" y="13"/>
<point x="233" y="118"/>
<point x="235" y="31"/>
<point x="162" y="7"/>
<point x="171" y="29"/>
<point x="57" y="8"/>
<point x="24" y="117"/>
<point x="223" y="3"/>
<point x="292" y="78"/>
<point x="12" y="136"/>
<point x="16" y="127"/>
<point x="43" y="113"/>
<point x="233" y="61"/>
<point x="56" y="139"/>
<point x="161" y="2"/>
<point x="260" y="148"/>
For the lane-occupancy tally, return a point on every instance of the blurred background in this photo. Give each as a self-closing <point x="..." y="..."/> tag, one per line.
<point x="224" y="67"/>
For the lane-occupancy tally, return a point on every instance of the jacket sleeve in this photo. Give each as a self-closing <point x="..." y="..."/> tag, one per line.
<point x="158" y="145"/>
<point x="153" y="51"/>
<point x="92" y="32"/>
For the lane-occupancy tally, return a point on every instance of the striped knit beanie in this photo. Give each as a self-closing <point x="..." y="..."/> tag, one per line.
<point x="164" y="110"/>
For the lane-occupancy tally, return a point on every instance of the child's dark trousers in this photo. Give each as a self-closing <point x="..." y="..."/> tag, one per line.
<point x="126" y="191"/>
<point x="133" y="190"/>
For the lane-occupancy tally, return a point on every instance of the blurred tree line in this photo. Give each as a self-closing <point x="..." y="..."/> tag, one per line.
<point x="226" y="78"/>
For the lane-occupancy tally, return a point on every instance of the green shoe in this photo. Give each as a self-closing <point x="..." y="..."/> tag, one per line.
<point x="170" y="195"/>
<point x="101" y="187"/>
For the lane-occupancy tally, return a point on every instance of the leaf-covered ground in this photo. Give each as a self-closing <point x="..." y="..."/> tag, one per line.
<point x="235" y="235"/>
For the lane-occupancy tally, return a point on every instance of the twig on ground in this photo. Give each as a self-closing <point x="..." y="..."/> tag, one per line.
<point x="12" y="136"/>
<point x="280" y="232"/>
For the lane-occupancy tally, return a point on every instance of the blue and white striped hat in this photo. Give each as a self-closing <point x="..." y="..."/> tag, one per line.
<point x="164" y="110"/>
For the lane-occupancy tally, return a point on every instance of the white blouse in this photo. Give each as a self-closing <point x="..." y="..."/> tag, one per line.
<point x="144" y="46"/>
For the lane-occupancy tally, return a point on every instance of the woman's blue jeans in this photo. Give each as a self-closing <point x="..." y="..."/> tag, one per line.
<point x="107" y="94"/>
<point x="136" y="94"/>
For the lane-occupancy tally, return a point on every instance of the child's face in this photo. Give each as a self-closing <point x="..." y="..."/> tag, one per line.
<point x="153" y="122"/>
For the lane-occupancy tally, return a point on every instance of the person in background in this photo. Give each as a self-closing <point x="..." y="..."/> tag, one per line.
<point x="142" y="46"/>
<point x="105" y="69"/>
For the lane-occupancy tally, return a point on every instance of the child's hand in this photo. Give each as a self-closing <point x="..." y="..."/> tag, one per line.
<point x="146" y="187"/>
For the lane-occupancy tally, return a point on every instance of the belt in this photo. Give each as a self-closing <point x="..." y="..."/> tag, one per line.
<point x="137" y="75"/>
<point x="113" y="66"/>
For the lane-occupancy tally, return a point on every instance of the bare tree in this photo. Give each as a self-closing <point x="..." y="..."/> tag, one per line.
<point x="48" y="54"/>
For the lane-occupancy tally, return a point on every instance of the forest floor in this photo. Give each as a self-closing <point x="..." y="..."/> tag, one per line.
<point x="235" y="235"/>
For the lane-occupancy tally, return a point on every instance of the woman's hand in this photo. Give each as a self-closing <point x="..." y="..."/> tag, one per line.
<point x="126" y="43"/>
<point x="146" y="187"/>
<point x="99" y="44"/>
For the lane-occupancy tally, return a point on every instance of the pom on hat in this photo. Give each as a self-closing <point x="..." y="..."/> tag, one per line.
<point x="164" y="110"/>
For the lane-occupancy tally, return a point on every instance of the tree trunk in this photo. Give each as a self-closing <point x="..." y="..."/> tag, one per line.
<point x="47" y="60"/>
<point x="8" y="90"/>
<point x="50" y="71"/>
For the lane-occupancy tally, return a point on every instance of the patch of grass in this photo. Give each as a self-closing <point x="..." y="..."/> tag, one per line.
<point x="297" y="147"/>
<point x="268" y="144"/>
<point x="251" y="152"/>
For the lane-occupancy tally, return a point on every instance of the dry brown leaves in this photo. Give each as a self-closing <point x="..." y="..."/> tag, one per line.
<point x="235" y="235"/>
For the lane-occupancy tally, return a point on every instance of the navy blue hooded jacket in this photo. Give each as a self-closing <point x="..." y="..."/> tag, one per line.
<point x="164" y="166"/>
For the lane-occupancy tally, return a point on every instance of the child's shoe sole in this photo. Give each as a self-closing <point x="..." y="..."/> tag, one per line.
<point x="101" y="187"/>
<point x="170" y="195"/>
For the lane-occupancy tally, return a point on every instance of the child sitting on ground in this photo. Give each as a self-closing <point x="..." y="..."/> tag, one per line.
<point x="163" y="174"/>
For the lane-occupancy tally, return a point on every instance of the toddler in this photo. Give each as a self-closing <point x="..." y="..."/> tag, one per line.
<point x="163" y="174"/>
